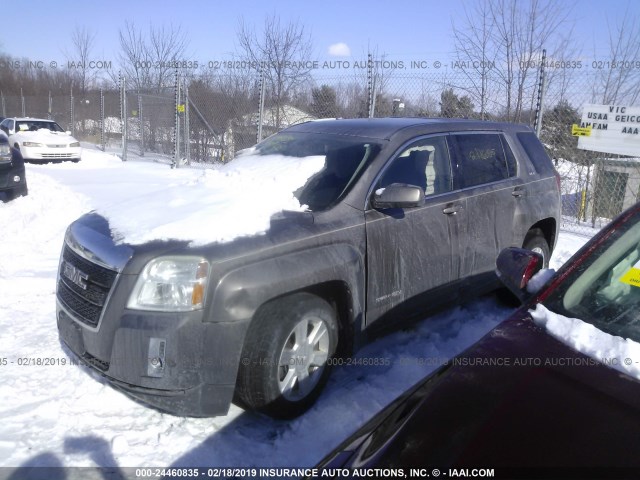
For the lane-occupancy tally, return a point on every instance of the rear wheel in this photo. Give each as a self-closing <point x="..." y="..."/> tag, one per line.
<point x="284" y="363"/>
<point x="536" y="242"/>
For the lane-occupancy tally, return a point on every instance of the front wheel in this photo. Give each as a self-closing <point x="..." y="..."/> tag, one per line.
<point x="285" y="359"/>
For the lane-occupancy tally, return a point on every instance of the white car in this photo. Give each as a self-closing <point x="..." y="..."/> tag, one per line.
<point x="41" y="140"/>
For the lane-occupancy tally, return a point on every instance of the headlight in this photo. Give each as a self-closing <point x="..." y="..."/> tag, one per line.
<point x="171" y="284"/>
<point x="5" y="151"/>
<point x="74" y="144"/>
<point x="32" y="144"/>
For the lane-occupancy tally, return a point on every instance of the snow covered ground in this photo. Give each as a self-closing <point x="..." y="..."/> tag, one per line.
<point x="64" y="415"/>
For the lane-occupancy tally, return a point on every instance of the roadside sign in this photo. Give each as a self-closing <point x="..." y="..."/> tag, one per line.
<point x="614" y="129"/>
<point x="578" y="131"/>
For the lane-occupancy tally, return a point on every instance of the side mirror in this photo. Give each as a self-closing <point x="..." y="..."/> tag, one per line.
<point x="398" y="195"/>
<point x="515" y="267"/>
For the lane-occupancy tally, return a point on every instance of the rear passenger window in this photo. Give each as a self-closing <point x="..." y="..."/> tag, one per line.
<point x="424" y="163"/>
<point x="482" y="159"/>
<point x="535" y="152"/>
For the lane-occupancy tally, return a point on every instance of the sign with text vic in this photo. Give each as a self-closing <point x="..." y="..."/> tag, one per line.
<point x="614" y="129"/>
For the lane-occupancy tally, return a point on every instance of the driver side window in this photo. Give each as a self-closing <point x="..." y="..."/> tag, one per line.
<point x="424" y="163"/>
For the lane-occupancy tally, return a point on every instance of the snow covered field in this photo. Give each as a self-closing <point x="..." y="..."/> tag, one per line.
<point x="64" y="415"/>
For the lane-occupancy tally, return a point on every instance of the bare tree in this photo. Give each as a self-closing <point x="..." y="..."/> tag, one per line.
<point x="475" y="49"/>
<point x="167" y="48"/>
<point x="519" y="31"/>
<point x="540" y="22"/>
<point x="133" y="57"/>
<point x="82" y="41"/>
<point x="283" y="52"/>
<point x="149" y="60"/>
<point x="559" y="80"/>
<point x="619" y="81"/>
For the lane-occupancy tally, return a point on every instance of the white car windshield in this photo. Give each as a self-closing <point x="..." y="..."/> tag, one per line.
<point x="35" y="125"/>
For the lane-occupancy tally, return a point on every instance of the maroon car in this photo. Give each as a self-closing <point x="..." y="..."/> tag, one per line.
<point x="557" y="396"/>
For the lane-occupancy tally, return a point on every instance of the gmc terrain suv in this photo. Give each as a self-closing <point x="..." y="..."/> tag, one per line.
<point x="405" y="216"/>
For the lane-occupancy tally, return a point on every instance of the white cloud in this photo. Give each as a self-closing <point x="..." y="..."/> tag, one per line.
<point x="339" y="50"/>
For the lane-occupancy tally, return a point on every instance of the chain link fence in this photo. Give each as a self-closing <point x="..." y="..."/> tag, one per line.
<point x="204" y="119"/>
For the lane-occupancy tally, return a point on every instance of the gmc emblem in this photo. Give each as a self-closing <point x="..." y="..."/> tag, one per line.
<point x="75" y="275"/>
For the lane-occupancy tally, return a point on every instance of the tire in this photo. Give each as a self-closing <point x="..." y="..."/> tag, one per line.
<point x="536" y="242"/>
<point x="285" y="358"/>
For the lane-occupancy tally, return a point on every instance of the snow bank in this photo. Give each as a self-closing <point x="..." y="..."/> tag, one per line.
<point x="235" y="200"/>
<point x="34" y="225"/>
<point x="617" y="352"/>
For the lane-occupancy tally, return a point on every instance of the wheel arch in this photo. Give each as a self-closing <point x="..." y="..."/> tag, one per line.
<point x="334" y="273"/>
<point x="338" y="294"/>
<point x="549" y="229"/>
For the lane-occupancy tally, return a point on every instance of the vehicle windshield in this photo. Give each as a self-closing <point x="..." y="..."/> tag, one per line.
<point x="35" y="125"/>
<point x="605" y="290"/>
<point x="345" y="159"/>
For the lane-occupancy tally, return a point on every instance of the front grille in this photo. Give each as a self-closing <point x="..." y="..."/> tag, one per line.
<point x="57" y="155"/>
<point x="85" y="297"/>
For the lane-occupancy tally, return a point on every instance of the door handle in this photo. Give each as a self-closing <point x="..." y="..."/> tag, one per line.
<point x="518" y="192"/>
<point x="452" y="209"/>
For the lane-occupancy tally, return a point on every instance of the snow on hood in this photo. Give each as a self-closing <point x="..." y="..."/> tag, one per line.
<point x="617" y="352"/>
<point x="236" y="200"/>
<point x="45" y="135"/>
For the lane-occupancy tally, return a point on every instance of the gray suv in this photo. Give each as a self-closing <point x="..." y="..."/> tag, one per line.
<point x="406" y="216"/>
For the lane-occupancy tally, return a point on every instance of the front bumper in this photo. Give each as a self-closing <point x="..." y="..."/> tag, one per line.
<point x="174" y="362"/>
<point x="48" y="154"/>
<point x="12" y="178"/>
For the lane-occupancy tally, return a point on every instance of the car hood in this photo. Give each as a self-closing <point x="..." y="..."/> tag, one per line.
<point x="90" y="237"/>
<point x="93" y="237"/>
<point x="517" y="398"/>
<point x="44" y="136"/>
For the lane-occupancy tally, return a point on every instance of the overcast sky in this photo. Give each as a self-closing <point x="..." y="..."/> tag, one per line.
<point x="403" y="29"/>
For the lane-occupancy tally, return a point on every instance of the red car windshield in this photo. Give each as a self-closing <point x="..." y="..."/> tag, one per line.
<point x="605" y="288"/>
